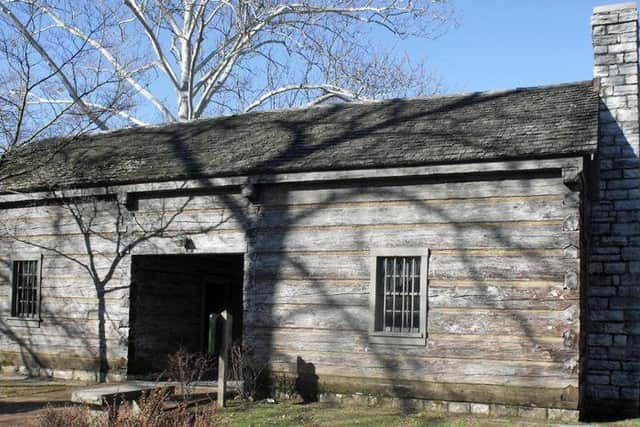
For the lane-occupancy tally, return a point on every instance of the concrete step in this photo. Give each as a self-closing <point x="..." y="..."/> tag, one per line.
<point x="117" y="392"/>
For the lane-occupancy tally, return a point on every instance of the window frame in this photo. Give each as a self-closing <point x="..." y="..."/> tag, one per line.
<point x="398" y="338"/>
<point x="26" y="258"/>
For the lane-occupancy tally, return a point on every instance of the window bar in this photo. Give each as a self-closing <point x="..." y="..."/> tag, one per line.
<point x="404" y="294"/>
<point x="16" y="272"/>
<point x="16" y="297"/>
<point x="26" y="280"/>
<point x="20" y="269"/>
<point x="32" y="285"/>
<point x="384" y="294"/>
<point x="390" y="290"/>
<point x="393" y="293"/>
<point x="398" y="321"/>
<point x="410" y="294"/>
<point x="34" y="301"/>
<point x="23" y="307"/>
<point x="27" y="288"/>
<point x="410" y="308"/>
<point x="416" y="291"/>
<point x="14" y="288"/>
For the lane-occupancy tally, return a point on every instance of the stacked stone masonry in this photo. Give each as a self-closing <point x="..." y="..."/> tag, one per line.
<point x="553" y="415"/>
<point x="612" y="327"/>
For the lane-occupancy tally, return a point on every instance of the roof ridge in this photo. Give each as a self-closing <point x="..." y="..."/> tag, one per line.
<point x="327" y="106"/>
<point x="521" y="123"/>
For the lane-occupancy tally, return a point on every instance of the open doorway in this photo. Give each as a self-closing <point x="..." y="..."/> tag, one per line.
<point x="172" y="297"/>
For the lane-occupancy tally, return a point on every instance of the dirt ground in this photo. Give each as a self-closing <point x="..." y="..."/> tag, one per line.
<point x="22" y="399"/>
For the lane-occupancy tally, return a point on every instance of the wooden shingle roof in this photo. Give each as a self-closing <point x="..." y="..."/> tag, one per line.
<point x="543" y="122"/>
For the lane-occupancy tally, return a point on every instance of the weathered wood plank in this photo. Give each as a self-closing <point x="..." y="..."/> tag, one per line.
<point x="484" y="347"/>
<point x="347" y="266"/>
<point x="528" y="167"/>
<point x="215" y="241"/>
<point x="159" y="204"/>
<point x="481" y="210"/>
<point x="543" y="323"/>
<point x="171" y="242"/>
<point x="299" y="195"/>
<point x="530" y="323"/>
<point x="171" y="221"/>
<point x="565" y="397"/>
<point x="82" y="310"/>
<point x="503" y="297"/>
<point x="493" y="295"/>
<point x="60" y="361"/>
<point x="444" y="236"/>
<point x="68" y="328"/>
<point x="309" y="292"/>
<point x="55" y="345"/>
<point x="396" y="367"/>
<point x="99" y="209"/>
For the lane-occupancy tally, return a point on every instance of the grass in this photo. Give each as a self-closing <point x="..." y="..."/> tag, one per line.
<point x="293" y="413"/>
<point x="247" y="414"/>
<point x="20" y="389"/>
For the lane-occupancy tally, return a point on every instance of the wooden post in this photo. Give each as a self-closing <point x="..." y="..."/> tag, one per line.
<point x="223" y="357"/>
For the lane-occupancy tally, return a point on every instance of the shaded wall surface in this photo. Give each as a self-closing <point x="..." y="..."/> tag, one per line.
<point x="503" y="305"/>
<point x="503" y="320"/>
<point x="68" y="340"/>
<point x="613" y="288"/>
<point x="171" y="297"/>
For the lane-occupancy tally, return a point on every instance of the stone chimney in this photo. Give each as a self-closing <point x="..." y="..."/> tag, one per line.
<point x="611" y="323"/>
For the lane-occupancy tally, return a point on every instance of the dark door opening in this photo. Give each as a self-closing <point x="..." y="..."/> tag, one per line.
<point x="171" y="299"/>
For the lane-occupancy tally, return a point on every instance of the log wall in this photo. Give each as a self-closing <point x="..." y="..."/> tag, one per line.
<point x="67" y="339"/>
<point x="503" y="287"/>
<point x="503" y="282"/>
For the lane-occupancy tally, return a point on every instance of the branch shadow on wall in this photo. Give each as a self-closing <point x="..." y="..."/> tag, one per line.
<point x="263" y="310"/>
<point x="275" y="259"/>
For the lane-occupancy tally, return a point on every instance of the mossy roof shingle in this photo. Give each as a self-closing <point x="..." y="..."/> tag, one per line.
<point x="542" y="122"/>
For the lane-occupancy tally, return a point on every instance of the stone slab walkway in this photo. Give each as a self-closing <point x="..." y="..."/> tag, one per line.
<point x="110" y="392"/>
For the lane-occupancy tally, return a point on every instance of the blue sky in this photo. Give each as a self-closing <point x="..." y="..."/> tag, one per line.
<point x="502" y="44"/>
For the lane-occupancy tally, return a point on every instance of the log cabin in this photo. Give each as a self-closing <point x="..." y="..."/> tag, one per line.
<point x="475" y="253"/>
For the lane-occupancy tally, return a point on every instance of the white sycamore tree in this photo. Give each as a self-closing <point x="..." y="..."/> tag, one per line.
<point x="76" y="65"/>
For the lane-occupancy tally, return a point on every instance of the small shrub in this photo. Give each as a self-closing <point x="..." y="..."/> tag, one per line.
<point x="187" y="369"/>
<point x="71" y="416"/>
<point x="245" y="367"/>
<point x="286" y="385"/>
<point x="148" y="411"/>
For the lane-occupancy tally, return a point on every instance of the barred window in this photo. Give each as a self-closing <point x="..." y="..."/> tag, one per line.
<point x="398" y="299"/>
<point x="25" y="289"/>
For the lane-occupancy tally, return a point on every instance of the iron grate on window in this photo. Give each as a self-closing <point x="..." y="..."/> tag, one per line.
<point x="398" y="295"/>
<point x="25" y="289"/>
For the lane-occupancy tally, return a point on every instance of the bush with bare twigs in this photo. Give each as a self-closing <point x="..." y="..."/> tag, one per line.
<point x="148" y="411"/>
<point x="245" y="367"/>
<point x="187" y="369"/>
<point x="71" y="416"/>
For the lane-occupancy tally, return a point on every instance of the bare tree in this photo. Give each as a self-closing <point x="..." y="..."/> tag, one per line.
<point x="167" y="60"/>
<point x="35" y="73"/>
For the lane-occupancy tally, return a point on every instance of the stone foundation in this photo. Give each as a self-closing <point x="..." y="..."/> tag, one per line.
<point x="63" y="374"/>
<point x="448" y="407"/>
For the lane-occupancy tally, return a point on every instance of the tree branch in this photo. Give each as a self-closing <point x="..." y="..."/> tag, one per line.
<point x="331" y="91"/>
<point x="133" y="5"/>
<point x="51" y="63"/>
